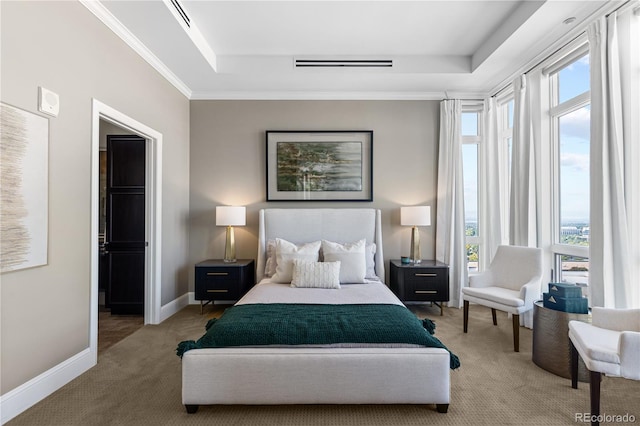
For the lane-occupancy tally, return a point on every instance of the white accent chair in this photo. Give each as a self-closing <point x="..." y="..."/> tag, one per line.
<point x="511" y="284"/>
<point x="609" y="345"/>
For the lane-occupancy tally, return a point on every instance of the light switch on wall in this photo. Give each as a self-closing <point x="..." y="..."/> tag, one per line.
<point x="48" y="101"/>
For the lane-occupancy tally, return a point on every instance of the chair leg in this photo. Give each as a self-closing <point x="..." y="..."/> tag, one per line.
<point x="516" y="333"/>
<point x="465" y="315"/>
<point x="594" y="389"/>
<point x="574" y="366"/>
<point x="595" y="378"/>
<point x="493" y="315"/>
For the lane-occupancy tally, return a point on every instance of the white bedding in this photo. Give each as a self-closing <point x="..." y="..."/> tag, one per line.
<point x="269" y="292"/>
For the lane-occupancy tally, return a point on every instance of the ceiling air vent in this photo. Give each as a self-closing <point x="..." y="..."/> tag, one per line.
<point x="344" y="63"/>
<point x="181" y="12"/>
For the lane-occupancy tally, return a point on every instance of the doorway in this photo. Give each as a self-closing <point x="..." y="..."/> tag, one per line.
<point x="103" y="116"/>
<point x="121" y="236"/>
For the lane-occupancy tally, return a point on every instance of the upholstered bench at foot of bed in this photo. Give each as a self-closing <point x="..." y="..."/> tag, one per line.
<point x="315" y="376"/>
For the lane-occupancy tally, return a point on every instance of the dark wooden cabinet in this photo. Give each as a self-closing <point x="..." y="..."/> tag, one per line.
<point x="427" y="281"/>
<point x="218" y="280"/>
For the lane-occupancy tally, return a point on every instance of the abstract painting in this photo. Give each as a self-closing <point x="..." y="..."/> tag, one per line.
<point x="24" y="155"/>
<point x="319" y="165"/>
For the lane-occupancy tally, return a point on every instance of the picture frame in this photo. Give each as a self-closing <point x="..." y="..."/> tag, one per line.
<point x="319" y="165"/>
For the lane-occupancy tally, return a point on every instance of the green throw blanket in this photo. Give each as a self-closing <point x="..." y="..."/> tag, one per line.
<point x="310" y="324"/>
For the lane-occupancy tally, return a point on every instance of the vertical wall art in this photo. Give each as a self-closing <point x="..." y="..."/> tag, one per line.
<point x="24" y="198"/>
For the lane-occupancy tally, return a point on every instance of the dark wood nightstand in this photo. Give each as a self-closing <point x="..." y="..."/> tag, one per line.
<point x="427" y="281"/>
<point x="218" y="280"/>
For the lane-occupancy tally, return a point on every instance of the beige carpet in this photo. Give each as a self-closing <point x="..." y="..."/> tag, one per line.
<point x="137" y="382"/>
<point x="114" y="328"/>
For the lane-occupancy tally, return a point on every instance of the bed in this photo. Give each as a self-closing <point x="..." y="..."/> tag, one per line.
<point x="364" y="373"/>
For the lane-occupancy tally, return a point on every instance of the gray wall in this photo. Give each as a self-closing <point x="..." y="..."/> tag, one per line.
<point x="228" y="164"/>
<point x="63" y="47"/>
<point x="107" y="128"/>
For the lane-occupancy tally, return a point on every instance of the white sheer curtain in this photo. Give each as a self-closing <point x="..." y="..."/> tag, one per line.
<point x="495" y="161"/>
<point x="614" y="255"/>
<point x="527" y="129"/>
<point x="526" y="133"/>
<point x="450" y="236"/>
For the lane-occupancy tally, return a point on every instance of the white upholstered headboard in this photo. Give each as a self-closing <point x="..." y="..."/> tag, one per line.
<point x="306" y="225"/>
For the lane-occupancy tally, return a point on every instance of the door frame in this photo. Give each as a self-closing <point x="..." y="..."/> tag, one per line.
<point x="153" y="213"/>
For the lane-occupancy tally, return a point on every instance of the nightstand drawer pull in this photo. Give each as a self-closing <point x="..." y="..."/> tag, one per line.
<point x="426" y="275"/>
<point x="425" y="292"/>
<point x="217" y="291"/>
<point x="218" y="273"/>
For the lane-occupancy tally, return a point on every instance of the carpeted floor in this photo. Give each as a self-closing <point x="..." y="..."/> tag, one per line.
<point x="137" y="382"/>
<point x="113" y="328"/>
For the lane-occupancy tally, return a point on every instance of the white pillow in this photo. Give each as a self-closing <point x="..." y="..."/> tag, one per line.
<point x="369" y="253"/>
<point x="315" y="274"/>
<point x="353" y="265"/>
<point x="286" y="252"/>
<point x="270" y="264"/>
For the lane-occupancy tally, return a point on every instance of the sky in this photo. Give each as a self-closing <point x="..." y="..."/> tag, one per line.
<point x="574" y="145"/>
<point x="574" y="150"/>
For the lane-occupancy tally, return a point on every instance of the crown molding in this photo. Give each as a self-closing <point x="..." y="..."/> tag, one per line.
<point x="107" y="18"/>
<point x="302" y="95"/>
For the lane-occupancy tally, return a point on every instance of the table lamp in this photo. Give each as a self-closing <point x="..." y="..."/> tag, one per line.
<point x="415" y="216"/>
<point x="230" y="216"/>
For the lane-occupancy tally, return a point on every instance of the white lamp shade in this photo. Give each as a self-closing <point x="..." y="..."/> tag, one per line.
<point x="415" y="216"/>
<point x="231" y="216"/>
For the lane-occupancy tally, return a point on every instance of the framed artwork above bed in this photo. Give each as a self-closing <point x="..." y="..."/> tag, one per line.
<point x="320" y="165"/>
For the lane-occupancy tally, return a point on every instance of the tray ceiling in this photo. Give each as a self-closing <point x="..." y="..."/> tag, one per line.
<point x="249" y="49"/>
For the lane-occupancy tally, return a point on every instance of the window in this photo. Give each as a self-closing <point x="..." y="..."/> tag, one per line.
<point x="573" y="80"/>
<point x="573" y="177"/>
<point x="570" y="125"/>
<point x="573" y="269"/>
<point x="471" y="164"/>
<point x="469" y="124"/>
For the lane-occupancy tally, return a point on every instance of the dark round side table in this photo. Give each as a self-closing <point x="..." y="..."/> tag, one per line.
<point x="551" y="344"/>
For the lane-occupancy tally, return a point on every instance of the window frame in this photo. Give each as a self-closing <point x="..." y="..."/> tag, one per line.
<point x="555" y="113"/>
<point x="478" y="140"/>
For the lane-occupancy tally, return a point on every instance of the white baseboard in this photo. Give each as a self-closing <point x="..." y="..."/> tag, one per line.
<point x="175" y="305"/>
<point x="24" y="396"/>
<point x="28" y="394"/>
